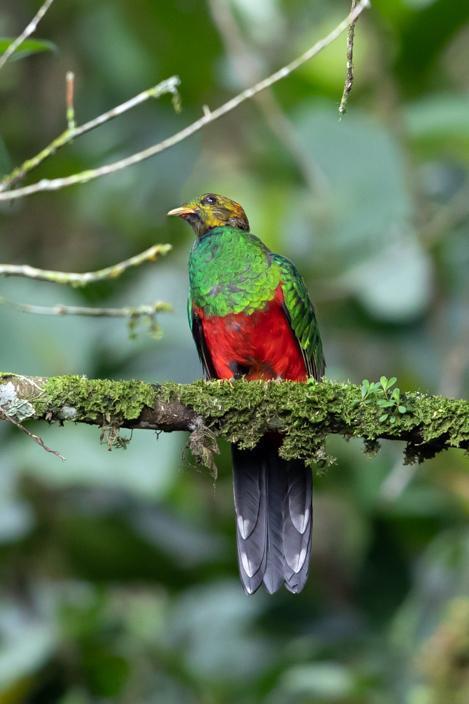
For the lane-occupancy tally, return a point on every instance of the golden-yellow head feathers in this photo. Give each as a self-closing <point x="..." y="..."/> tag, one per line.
<point x="211" y="210"/>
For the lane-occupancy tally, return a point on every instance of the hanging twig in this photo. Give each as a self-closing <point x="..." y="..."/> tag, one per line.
<point x="348" y="85"/>
<point x="208" y="117"/>
<point x="37" y="439"/>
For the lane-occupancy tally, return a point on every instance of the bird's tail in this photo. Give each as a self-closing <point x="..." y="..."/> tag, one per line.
<point x="273" y="502"/>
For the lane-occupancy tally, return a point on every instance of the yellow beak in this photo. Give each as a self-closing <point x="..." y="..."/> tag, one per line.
<point x="182" y="212"/>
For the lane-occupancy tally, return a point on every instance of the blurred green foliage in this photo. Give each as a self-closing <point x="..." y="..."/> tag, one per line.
<point x="28" y="47"/>
<point x="119" y="580"/>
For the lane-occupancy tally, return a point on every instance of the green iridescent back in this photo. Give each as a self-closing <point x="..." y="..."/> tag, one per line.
<point x="232" y="271"/>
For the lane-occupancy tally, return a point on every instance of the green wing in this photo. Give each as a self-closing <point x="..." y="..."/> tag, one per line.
<point x="301" y="315"/>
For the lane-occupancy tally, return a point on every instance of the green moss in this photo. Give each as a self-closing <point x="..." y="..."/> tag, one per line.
<point x="113" y="401"/>
<point x="242" y="412"/>
<point x="306" y="413"/>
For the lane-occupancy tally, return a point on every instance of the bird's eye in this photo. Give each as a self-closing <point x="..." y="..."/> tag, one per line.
<point x="209" y="200"/>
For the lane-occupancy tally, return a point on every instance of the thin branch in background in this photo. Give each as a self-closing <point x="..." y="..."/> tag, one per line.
<point x="90" y="277"/>
<point x="348" y="85"/>
<point x="247" y="94"/>
<point x="245" y="64"/>
<point x="27" y="32"/>
<point x="145" y="310"/>
<point x="37" y="439"/>
<point x="146" y="313"/>
<point x="455" y="364"/>
<point x="170" y="85"/>
<point x="70" y="100"/>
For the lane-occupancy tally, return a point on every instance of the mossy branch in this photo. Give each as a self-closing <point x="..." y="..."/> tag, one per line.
<point x="242" y="412"/>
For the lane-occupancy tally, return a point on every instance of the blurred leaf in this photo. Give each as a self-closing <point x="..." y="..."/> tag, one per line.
<point x="396" y="286"/>
<point x="45" y="345"/>
<point x="16" y="516"/>
<point x="442" y="574"/>
<point x="418" y="3"/>
<point x="424" y="37"/>
<point x="105" y="671"/>
<point x="27" y="48"/>
<point x="25" y="643"/>
<point x="329" y="681"/>
<point x="438" y="120"/>
<point x="360" y="211"/>
<point x="5" y="161"/>
<point x="186" y="543"/>
<point x="214" y="614"/>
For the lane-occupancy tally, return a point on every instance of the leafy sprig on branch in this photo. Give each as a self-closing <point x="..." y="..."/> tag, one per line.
<point x="387" y="397"/>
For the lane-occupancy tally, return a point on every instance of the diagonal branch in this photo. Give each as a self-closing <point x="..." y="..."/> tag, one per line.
<point x="27" y="32"/>
<point x="170" y="85"/>
<point x="207" y="118"/>
<point x="90" y="277"/>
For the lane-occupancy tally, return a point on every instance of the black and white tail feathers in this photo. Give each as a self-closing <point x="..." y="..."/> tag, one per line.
<point x="273" y="502"/>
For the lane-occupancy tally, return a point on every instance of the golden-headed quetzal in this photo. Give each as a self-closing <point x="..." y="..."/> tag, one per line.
<point x="251" y="317"/>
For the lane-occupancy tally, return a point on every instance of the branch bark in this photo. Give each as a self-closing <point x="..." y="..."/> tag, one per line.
<point x="241" y="412"/>
<point x="349" y="75"/>
<point x="89" y="277"/>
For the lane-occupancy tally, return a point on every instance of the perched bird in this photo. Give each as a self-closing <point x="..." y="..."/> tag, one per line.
<point x="251" y="317"/>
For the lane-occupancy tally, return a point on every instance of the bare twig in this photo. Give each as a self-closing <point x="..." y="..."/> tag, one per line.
<point x="246" y="65"/>
<point x="37" y="439"/>
<point x="348" y="85"/>
<point x="170" y="85"/>
<point x="207" y="118"/>
<point x="90" y="277"/>
<point x="30" y="29"/>
<point x="141" y="311"/>
<point x="133" y="314"/>
<point x="70" y="100"/>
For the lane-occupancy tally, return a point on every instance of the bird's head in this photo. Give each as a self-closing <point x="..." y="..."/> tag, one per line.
<point x="209" y="211"/>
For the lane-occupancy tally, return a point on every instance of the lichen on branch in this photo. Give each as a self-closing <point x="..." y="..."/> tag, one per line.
<point x="241" y="412"/>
